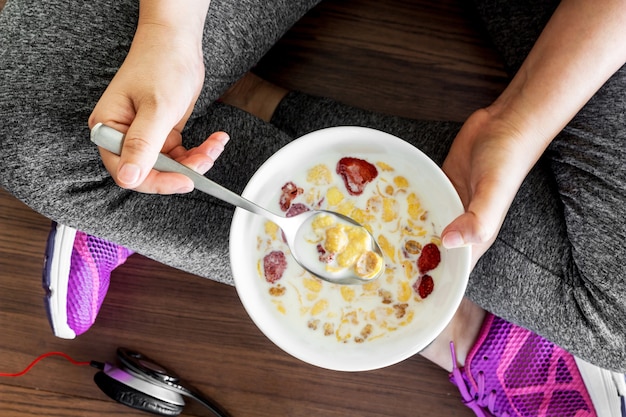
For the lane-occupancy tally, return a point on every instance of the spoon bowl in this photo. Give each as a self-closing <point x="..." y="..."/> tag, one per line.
<point x="308" y="255"/>
<point x="295" y="229"/>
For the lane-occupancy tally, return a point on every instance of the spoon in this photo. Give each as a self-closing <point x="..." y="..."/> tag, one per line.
<point x="295" y="229"/>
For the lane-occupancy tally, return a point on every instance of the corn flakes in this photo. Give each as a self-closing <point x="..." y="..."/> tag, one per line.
<point x="387" y="205"/>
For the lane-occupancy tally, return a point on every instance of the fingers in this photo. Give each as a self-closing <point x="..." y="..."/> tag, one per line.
<point x="143" y="141"/>
<point x="200" y="159"/>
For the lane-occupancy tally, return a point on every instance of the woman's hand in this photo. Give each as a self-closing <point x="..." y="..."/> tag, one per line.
<point x="486" y="164"/>
<point x="579" y="49"/>
<point x="152" y="95"/>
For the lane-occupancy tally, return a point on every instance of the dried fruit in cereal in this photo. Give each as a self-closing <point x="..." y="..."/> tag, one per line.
<point x="429" y="258"/>
<point x="424" y="286"/>
<point x="274" y="265"/>
<point x="325" y="256"/>
<point x="356" y="174"/>
<point x="289" y="191"/>
<point x="295" y="209"/>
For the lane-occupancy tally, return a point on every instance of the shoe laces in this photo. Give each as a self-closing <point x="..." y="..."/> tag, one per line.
<point x="482" y="405"/>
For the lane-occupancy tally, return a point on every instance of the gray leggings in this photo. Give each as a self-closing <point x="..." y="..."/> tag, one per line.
<point x="557" y="266"/>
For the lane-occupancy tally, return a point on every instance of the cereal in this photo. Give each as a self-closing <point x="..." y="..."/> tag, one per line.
<point x="413" y="247"/>
<point x="312" y="284"/>
<point x="344" y="246"/>
<point x="319" y="175"/>
<point x="334" y="197"/>
<point x="383" y="200"/>
<point x="336" y="239"/>
<point x="368" y="264"/>
<point x="319" y="307"/>
<point x="347" y="293"/>
<point x="401" y="182"/>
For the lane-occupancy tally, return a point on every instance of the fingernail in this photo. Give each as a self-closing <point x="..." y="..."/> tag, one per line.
<point x="205" y="167"/>
<point x="453" y="240"/>
<point x="128" y="173"/>
<point x="185" y="189"/>
<point x="215" y="152"/>
<point x="224" y="139"/>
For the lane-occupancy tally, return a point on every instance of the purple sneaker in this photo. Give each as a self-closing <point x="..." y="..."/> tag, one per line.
<point x="77" y="268"/>
<point x="511" y="372"/>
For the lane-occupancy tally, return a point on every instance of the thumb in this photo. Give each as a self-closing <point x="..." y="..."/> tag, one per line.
<point x="143" y="142"/>
<point x="467" y="229"/>
<point x="479" y="224"/>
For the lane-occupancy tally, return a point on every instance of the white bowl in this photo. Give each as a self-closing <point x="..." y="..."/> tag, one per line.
<point x="444" y="205"/>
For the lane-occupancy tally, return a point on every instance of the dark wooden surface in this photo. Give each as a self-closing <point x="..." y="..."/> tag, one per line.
<point x="416" y="59"/>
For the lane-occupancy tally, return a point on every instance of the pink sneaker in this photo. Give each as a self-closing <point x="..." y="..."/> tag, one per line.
<point x="511" y="372"/>
<point x="77" y="268"/>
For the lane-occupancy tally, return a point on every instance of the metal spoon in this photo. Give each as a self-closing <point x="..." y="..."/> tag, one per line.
<point x="295" y="229"/>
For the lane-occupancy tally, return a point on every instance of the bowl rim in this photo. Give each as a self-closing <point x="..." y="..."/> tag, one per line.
<point x="319" y="139"/>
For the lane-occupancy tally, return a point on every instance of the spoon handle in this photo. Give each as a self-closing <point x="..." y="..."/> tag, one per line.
<point x="112" y="140"/>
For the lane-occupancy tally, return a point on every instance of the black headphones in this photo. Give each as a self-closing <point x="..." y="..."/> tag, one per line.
<point x="143" y="384"/>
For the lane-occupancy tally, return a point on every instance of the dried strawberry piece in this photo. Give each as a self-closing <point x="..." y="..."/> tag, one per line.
<point x="325" y="256"/>
<point x="289" y="191"/>
<point x="356" y="174"/>
<point x="424" y="286"/>
<point x="274" y="265"/>
<point x="429" y="258"/>
<point x="296" y="209"/>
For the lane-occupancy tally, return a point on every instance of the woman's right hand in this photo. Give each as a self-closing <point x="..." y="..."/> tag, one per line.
<point x="152" y="95"/>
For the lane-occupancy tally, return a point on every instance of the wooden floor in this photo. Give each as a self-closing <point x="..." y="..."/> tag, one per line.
<point x="416" y="59"/>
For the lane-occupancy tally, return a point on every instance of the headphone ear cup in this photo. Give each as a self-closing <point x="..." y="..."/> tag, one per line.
<point x="136" y="399"/>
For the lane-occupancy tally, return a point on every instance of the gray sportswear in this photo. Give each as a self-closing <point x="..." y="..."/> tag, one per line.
<point x="557" y="266"/>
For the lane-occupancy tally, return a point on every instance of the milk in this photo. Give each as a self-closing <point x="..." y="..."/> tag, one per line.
<point x="397" y="216"/>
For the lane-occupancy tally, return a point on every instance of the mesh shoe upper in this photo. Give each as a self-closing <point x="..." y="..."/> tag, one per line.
<point x="511" y="371"/>
<point x="76" y="276"/>
<point x="92" y="261"/>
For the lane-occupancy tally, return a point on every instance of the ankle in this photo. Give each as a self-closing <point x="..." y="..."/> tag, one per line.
<point x="255" y="96"/>
<point x="463" y="330"/>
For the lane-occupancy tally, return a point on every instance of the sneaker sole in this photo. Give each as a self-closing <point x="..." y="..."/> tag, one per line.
<point x="607" y="389"/>
<point x="56" y="271"/>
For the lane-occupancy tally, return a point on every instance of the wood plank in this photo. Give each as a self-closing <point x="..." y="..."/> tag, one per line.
<point x="417" y="59"/>
<point x="18" y="401"/>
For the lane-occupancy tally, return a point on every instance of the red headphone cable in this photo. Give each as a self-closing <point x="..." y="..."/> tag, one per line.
<point x="46" y="355"/>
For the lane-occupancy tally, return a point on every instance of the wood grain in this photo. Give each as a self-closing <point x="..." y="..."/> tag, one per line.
<point x="422" y="59"/>
<point x="418" y="59"/>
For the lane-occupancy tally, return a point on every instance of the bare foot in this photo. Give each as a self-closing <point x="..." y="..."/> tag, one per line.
<point x="462" y="330"/>
<point x="255" y="95"/>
